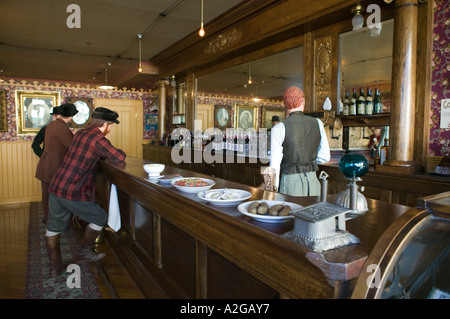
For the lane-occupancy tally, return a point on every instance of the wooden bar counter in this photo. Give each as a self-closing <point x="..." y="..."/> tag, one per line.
<point x="175" y="245"/>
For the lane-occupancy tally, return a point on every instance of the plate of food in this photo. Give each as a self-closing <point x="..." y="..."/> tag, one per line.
<point x="268" y="211"/>
<point x="224" y="196"/>
<point x="192" y="184"/>
<point x="165" y="179"/>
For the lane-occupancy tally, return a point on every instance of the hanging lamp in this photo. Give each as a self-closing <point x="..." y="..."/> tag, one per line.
<point x="106" y="86"/>
<point x="140" y="53"/>
<point x="201" y="32"/>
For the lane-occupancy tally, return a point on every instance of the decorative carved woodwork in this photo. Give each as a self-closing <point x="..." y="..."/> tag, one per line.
<point x="322" y="70"/>
<point x="223" y="41"/>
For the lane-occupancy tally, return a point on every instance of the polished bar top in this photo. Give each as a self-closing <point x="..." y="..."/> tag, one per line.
<point x="368" y="227"/>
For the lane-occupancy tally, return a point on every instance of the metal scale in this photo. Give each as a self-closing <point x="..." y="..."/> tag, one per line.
<point x="321" y="226"/>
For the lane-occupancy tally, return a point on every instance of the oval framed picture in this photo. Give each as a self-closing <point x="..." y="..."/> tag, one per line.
<point x="84" y="107"/>
<point x="222" y="116"/>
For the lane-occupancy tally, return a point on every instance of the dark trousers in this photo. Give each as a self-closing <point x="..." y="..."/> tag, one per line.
<point x="61" y="210"/>
<point x="45" y="205"/>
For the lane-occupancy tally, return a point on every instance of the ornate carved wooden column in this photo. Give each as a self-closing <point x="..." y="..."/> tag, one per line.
<point x="162" y="112"/>
<point x="403" y="92"/>
<point x="191" y="95"/>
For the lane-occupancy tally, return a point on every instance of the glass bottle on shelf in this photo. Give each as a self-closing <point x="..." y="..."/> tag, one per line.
<point x="246" y="143"/>
<point x="224" y="143"/>
<point x="345" y="111"/>
<point x="377" y="158"/>
<point x="361" y="110"/>
<point x="377" y="106"/>
<point x="235" y="144"/>
<point x="384" y="151"/>
<point x="352" y="106"/>
<point x="369" y="102"/>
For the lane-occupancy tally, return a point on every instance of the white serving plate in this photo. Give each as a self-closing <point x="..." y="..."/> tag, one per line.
<point x="167" y="180"/>
<point x="243" y="208"/>
<point x="243" y="195"/>
<point x="193" y="189"/>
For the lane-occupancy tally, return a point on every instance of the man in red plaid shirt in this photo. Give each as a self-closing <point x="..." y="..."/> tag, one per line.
<point x="72" y="189"/>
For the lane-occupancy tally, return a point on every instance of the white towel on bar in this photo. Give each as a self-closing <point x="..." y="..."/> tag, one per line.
<point x="114" y="210"/>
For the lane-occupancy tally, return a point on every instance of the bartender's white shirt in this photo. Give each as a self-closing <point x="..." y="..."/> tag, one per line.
<point x="276" y="147"/>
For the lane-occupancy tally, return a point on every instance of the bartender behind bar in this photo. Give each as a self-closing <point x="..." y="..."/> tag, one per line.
<point x="298" y="145"/>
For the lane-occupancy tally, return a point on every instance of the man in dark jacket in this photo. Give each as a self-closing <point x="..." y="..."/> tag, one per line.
<point x="40" y="136"/>
<point x="58" y="138"/>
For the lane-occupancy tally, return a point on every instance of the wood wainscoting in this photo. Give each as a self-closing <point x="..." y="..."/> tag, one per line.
<point x="17" y="169"/>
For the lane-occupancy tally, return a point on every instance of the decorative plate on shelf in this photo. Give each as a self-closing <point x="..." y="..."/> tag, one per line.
<point x="224" y="196"/>
<point x="192" y="184"/>
<point x="266" y="218"/>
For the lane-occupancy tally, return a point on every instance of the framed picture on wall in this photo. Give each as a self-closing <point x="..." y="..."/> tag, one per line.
<point x="268" y="112"/>
<point x="3" y="122"/>
<point x="151" y="122"/>
<point x="34" y="108"/>
<point x="85" y="108"/>
<point x="246" y="116"/>
<point x="222" y="116"/>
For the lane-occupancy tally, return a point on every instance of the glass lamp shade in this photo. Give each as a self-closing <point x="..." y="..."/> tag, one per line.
<point x="357" y="22"/>
<point x="353" y="165"/>
<point x="375" y="32"/>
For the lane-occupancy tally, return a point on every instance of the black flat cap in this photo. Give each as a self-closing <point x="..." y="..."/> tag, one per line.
<point x="68" y="109"/>
<point x="105" y="114"/>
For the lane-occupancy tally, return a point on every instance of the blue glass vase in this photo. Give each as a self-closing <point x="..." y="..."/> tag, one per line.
<point x="353" y="165"/>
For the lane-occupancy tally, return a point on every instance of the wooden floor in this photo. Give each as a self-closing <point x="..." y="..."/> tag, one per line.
<point x="112" y="279"/>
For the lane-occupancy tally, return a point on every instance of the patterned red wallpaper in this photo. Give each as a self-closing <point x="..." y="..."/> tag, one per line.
<point x="440" y="74"/>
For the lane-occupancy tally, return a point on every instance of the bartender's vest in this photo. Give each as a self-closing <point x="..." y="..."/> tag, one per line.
<point x="301" y="144"/>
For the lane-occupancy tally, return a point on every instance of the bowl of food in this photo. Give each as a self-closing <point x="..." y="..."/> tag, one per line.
<point x="153" y="170"/>
<point x="224" y="196"/>
<point x="268" y="211"/>
<point x="192" y="184"/>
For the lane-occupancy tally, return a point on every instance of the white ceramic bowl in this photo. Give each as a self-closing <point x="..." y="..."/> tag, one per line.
<point x="220" y="197"/>
<point x="166" y="179"/>
<point x="153" y="170"/>
<point x="192" y="189"/>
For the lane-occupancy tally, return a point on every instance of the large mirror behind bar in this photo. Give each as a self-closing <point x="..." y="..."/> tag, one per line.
<point x="265" y="78"/>
<point x="365" y="61"/>
<point x="258" y="85"/>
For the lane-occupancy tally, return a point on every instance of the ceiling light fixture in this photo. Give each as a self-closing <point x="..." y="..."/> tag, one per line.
<point x="358" y="19"/>
<point x="140" y="53"/>
<point x="106" y="86"/>
<point x="249" y="74"/>
<point x="201" y="32"/>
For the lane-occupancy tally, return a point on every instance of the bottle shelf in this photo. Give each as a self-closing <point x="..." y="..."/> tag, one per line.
<point x="381" y="119"/>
